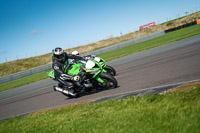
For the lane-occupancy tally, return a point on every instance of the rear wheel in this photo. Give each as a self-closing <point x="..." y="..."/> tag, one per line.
<point x="110" y="70"/>
<point x="109" y="81"/>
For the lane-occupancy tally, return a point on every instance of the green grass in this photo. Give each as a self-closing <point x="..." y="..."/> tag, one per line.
<point x="172" y="112"/>
<point x="167" y="38"/>
<point x="23" y="81"/>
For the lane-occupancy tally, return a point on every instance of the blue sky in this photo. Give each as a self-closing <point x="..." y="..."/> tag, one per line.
<point x="35" y="27"/>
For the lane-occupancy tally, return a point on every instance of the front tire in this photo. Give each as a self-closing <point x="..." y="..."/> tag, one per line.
<point x="110" y="70"/>
<point x="109" y="81"/>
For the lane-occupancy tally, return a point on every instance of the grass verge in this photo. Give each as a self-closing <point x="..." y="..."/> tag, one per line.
<point x="172" y="112"/>
<point x="23" y="81"/>
<point x="167" y="38"/>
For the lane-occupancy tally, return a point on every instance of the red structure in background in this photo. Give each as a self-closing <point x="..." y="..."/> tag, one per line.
<point x="198" y="21"/>
<point x="147" y="25"/>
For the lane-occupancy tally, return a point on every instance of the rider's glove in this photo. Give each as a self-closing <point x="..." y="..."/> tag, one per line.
<point x="86" y="58"/>
<point x="76" y="78"/>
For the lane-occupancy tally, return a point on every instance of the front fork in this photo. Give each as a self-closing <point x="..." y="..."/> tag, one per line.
<point x="96" y="76"/>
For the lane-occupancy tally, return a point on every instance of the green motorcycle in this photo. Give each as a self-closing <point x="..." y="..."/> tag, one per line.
<point x="92" y="77"/>
<point x="101" y="61"/>
<point x="107" y="68"/>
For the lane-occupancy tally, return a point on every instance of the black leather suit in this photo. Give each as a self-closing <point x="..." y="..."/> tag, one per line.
<point x="59" y="67"/>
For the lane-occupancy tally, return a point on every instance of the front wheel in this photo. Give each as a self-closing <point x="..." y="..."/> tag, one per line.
<point x="110" y="70"/>
<point x="109" y="81"/>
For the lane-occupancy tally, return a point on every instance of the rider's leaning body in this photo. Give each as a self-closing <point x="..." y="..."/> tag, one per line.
<point x="60" y="64"/>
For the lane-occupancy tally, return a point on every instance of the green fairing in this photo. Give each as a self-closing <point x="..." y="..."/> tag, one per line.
<point x="102" y="59"/>
<point x="100" y="80"/>
<point x="96" y="76"/>
<point x="104" y="71"/>
<point x="74" y="69"/>
<point x="102" y="63"/>
<point x="51" y="74"/>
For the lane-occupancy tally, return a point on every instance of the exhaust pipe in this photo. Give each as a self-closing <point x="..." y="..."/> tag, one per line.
<point x="64" y="91"/>
<point x="88" y="85"/>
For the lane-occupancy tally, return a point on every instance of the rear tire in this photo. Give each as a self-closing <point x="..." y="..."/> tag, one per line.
<point x="110" y="70"/>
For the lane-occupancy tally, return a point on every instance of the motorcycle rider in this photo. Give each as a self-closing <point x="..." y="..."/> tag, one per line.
<point x="60" y="63"/>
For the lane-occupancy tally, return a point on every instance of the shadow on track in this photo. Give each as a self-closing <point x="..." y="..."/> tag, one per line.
<point x="89" y="93"/>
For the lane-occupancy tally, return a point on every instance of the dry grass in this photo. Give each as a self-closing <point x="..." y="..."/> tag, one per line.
<point x="183" y="87"/>
<point x="24" y="64"/>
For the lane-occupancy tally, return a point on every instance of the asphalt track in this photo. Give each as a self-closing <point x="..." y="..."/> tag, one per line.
<point x="168" y="64"/>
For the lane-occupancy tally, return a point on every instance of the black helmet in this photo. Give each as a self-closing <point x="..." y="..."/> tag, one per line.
<point x="58" y="53"/>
